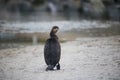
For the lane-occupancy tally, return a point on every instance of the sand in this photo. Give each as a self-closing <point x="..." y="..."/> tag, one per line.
<point x="87" y="58"/>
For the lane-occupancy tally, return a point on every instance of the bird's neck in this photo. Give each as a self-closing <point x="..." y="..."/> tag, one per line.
<point x="53" y="35"/>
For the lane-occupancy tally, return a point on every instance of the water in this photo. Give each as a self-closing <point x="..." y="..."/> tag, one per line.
<point x="37" y="26"/>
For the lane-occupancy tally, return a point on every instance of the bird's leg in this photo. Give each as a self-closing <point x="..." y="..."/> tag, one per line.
<point x="58" y="66"/>
<point x="50" y="67"/>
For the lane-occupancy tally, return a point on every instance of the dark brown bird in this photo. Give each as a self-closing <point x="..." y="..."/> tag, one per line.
<point x="52" y="50"/>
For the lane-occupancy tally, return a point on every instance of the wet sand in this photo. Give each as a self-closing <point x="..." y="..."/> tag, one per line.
<point x="85" y="58"/>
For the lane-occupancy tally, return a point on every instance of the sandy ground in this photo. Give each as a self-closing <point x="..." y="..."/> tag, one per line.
<point x="87" y="58"/>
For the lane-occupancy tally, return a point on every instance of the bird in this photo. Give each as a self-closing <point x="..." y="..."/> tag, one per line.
<point x="52" y="50"/>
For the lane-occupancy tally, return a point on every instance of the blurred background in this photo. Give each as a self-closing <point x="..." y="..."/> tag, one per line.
<point x="47" y="10"/>
<point x="29" y="21"/>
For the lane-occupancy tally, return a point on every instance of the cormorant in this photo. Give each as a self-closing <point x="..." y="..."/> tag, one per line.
<point x="52" y="50"/>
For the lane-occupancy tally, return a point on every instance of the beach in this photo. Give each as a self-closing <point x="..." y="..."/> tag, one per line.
<point x="85" y="58"/>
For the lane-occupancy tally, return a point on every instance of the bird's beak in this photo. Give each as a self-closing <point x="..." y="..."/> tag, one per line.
<point x="55" y="30"/>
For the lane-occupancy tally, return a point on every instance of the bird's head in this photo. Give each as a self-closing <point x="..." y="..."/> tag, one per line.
<point x="55" y="29"/>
